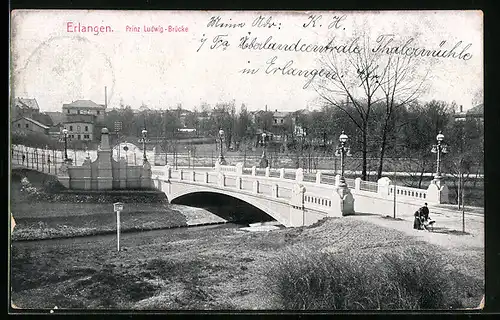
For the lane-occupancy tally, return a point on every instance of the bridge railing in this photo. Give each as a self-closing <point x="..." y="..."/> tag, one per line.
<point x="368" y="186"/>
<point x="42" y="160"/>
<point x="382" y="189"/>
<point x="408" y="193"/>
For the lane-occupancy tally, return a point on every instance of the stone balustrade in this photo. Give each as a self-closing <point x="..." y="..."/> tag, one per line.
<point x="283" y="177"/>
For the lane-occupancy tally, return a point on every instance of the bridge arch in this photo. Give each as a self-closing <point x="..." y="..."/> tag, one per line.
<point x="277" y="209"/>
<point x="227" y="207"/>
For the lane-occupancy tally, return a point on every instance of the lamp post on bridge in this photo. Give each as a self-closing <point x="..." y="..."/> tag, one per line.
<point x="342" y="150"/>
<point x="222" y="161"/>
<point x="65" y="137"/>
<point x="346" y="198"/>
<point x="439" y="148"/>
<point x="263" y="160"/>
<point x="144" y="140"/>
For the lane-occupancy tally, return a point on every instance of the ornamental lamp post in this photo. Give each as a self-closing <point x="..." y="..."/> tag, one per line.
<point x="144" y="140"/>
<point x="222" y="161"/>
<point x="342" y="150"/>
<point x="263" y="160"/>
<point x="439" y="148"/>
<point x="65" y="134"/>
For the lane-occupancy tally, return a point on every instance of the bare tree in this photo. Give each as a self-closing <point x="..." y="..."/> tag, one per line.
<point x="401" y="85"/>
<point x="352" y="88"/>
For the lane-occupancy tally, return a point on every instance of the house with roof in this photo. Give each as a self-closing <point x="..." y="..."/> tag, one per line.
<point x="475" y="113"/>
<point x="25" y="126"/>
<point x="83" y="119"/>
<point x="57" y="117"/>
<point x="80" y="127"/>
<point x="84" y="107"/>
<point x="23" y="107"/>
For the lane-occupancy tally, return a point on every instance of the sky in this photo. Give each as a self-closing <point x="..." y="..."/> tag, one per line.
<point x="57" y="65"/>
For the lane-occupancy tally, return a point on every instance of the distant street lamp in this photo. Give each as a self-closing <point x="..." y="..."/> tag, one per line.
<point x="222" y="161"/>
<point x="144" y="140"/>
<point x="439" y="148"/>
<point x="65" y="134"/>
<point x="342" y="150"/>
<point x="263" y="160"/>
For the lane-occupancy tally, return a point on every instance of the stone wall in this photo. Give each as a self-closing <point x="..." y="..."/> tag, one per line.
<point x="105" y="173"/>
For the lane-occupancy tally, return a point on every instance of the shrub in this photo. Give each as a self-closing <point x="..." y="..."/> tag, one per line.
<point x="315" y="281"/>
<point x="418" y="278"/>
<point x="411" y="280"/>
<point x="28" y="188"/>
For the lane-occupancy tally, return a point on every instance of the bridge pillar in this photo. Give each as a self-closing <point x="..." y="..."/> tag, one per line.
<point x="254" y="170"/>
<point x="357" y="184"/>
<point x="238" y="183"/>
<point x="297" y="210"/>
<point x="168" y="172"/>
<point x="282" y="173"/>
<point x="255" y="186"/>
<point x="122" y="176"/>
<point x="337" y="180"/>
<point x="104" y="169"/>
<point x="268" y="171"/>
<point x="437" y="192"/>
<point x="275" y="190"/>
<point x="146" y="181"/>
<point x="87" y="174"/>
<point x="299" y="175"/>
<point x="318" y="177"/>
<point x="63" y="175"/>
<point x="221" y="179"/>
<point x="239" y="168"/>
<point x="342" y="201"/>
<point x="383" y="185"/>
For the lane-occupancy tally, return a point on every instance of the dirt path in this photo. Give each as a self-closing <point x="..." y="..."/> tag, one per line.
<point x="446" y="233"/>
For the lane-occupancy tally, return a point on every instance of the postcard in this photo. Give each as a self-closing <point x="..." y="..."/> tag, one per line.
<point x="246" y="160"/>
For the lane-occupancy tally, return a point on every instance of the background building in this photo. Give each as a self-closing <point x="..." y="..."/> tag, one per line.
<point x="84" y="107"/>
<point x="80" y="127"/>
<point x="84" y="119"/>
<point x="25" y="126"/>
<point x="23" y="107"/>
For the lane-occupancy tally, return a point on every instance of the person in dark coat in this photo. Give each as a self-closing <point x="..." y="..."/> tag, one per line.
<point x="417" y="222"/>
<point x="425" y="212"/>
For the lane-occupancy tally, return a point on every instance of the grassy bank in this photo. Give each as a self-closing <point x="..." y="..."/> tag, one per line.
<point x="228" y="269"/>
<point x="42" y="209"/>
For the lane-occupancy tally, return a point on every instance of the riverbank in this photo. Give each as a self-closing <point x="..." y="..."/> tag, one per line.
<point x="62" y="220"/>
<point x="42" y="214"/>
<point x="207" y="268"/>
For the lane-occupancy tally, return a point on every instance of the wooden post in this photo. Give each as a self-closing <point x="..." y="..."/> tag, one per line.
<point x="394" y="206"/>
<point x="118" y="230"/>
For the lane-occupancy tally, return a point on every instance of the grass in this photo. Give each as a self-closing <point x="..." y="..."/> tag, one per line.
<point x="413" y="279"/>
<point x="325" y="266"/>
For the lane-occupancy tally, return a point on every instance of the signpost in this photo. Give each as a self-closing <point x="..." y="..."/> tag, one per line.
<point x="118" y="207"/>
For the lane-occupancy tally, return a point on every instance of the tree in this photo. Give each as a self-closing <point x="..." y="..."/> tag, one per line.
<point x="243" y="128"/>
<point x="352" y="88"/>
<point x="401" y="85"/>
<point x="466" y="155"/>
<point x="422" y="122"/>
<point x="264" y="120"/>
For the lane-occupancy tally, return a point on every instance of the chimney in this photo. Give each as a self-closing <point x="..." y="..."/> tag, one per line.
<point x="266" y="107"/>
<point x="105" y="97"/>
<point x="461" y="108"/>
